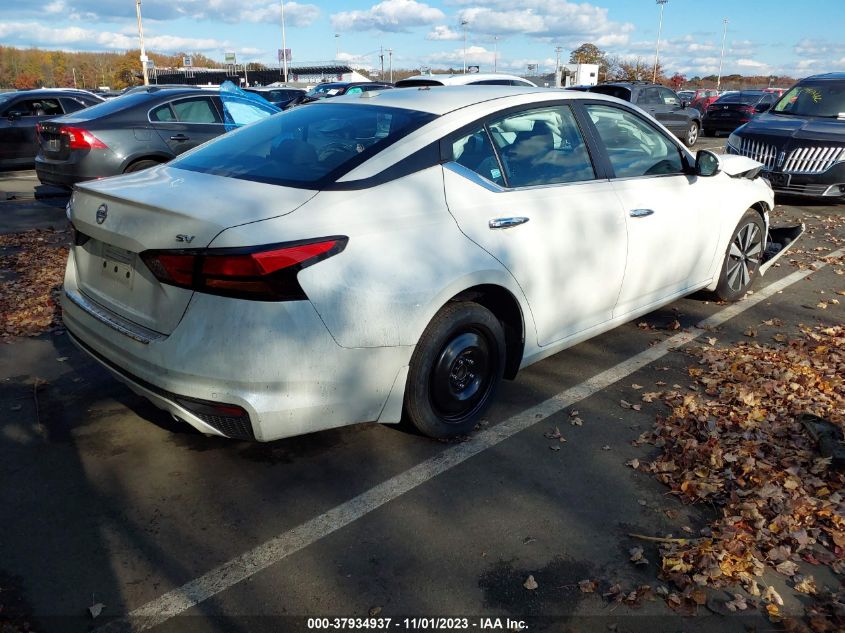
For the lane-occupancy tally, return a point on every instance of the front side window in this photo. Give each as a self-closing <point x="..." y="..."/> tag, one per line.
<point x="38" y="107"/>
<point x="304" y="147"/>
<point x="667" y="97"/>
<point x="822" y="99"/>
<point x="541" y="147"/>
<point x="633" y="146"/>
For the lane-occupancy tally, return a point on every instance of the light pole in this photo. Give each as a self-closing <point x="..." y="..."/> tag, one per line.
<point x="284" y="45"/>
<point x="464" y="26"/>
<point x="390" y="62"/>
<point x="141" y="38"/>
<point x="495" y="52"/>
<point x="337" y="45"/>
<point x="722" y="56"/>
<point x="662" y="3"/>
<point x="558" y="82"/>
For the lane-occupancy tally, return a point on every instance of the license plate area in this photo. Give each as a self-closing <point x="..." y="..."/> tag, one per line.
<point x="117" y="265"/>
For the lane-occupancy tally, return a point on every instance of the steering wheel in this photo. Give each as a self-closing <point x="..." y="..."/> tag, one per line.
<point x="330" y="150"/>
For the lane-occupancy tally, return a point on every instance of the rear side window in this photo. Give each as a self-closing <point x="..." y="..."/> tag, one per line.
<point x="72" y="105"/>
<point x="417" y="83"/>
<point x="475" y="151"/>
<point x="38" y="107"/>
<point x="304" y="147"/>
<point x="195" y="110"/>
<point x="620" y="92"/>
<point x="633" y="146"/>
<point x="162" y="113"/>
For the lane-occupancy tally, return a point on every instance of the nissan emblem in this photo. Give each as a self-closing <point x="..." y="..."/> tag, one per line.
<point x="102" y="213"/>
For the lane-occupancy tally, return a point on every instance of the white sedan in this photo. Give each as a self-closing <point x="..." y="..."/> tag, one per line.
<point x="397" y="254"/>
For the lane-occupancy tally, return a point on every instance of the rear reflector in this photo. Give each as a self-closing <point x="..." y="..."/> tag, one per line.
<point x="263" y="273"/>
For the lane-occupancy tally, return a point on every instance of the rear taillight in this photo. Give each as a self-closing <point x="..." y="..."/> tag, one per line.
<point x="79" y="138"/>
<point x="264" y="273"/>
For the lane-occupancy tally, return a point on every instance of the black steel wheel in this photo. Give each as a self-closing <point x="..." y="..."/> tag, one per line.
<point x="455" y="370"/>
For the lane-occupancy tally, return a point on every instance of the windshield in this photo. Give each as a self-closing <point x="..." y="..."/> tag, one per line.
<point x="304" y="147"/>
<point x="822" y="99"/>
<point x="325" y="90"/>
<point x="747" y="97"/>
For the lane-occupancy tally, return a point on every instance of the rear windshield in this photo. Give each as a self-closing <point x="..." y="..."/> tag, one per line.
<point x="113" y="105"/>
<point x="306" y="147"/>
<point x="741" y="97"/>
<point x="619" y="92"/>
<point x="823" y="99"/>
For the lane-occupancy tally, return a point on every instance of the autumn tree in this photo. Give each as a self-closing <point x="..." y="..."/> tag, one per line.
<point x="677" y="80"/>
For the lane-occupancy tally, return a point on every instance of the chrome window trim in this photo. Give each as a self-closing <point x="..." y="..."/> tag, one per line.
<point x="480" y="180"/>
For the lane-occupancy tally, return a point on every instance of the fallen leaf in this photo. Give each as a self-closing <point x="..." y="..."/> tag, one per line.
<point x="577" y="422"/>
<point x="772" y="596"/>
<point x="605" y="447"/>
<point x="530" y="583"/>
<point x="96" y="609"/>
<point x="555" y="447"/>
<point x="625" y="404"/>
<point x="587" y="586"/>
<point x="637" y="556"/>
<point x="751" y="332"/>
<point x="374" y="611"/>
<point x="712" y="340"/>
<point x="636" y="386"/>
<point x="806" y="585"/>
<point x="634" y="463"/>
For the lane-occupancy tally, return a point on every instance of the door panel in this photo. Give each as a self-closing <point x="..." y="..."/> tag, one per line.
<point x="672" y="217"/>
<point x="540" y="212"/>
<point x="185" y="123"/>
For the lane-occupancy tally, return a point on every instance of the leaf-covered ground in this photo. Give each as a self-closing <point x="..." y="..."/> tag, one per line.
<point x="32" y="268"/>
<point x="736" y="444"/>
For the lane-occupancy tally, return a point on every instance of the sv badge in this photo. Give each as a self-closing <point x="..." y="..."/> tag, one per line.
<point x="185" y="238"/>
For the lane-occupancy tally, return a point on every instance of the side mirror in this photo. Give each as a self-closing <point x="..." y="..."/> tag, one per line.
<point x="684" y="103"/>
<point x="763" y="107"/>
<point x="707" y="163"/>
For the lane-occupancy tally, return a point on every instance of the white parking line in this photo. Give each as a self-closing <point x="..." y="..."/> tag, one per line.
<point x="276" y="549"/>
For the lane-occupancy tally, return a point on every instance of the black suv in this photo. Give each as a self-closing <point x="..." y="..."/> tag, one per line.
<point x="21" y="111"/>
<point x="801" y="139"/>
<point x="661" y="103"/>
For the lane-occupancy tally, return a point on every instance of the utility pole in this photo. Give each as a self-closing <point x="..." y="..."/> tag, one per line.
<point x="464" y="26"/>
<point x="662" y="3"/>
<point x="381" y="57"/>
<point x="722" y="56"/>
<point x="74" y="77"/>
<point x="284" y="46"/>
<point x="495" y="51"/>
<point x="390" y="60"/>
<point x="558" y="79"/>
<point x="141" y="37"/>
<point x="337" y="45"/>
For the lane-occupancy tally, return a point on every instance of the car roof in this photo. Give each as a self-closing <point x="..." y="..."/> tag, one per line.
<point x="462" y="79"/>
<point x="444" y="99"/>
<point x="57" y="91"/>
<point x="827" y="76"/>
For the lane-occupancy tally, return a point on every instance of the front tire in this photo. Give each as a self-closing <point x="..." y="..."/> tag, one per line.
<point x="743" y="257"/>
<point x="455" y="370"/>
<point x="692" y="134"/>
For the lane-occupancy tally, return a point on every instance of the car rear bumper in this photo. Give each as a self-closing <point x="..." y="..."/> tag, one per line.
<point x="276" y="361"/>
<point x="722" y="125"/>
<point x="78" y="167"/>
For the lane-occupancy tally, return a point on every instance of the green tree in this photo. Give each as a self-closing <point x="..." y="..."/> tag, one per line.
<point x="588" y="54"/>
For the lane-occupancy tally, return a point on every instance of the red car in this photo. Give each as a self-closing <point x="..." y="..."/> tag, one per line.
<point x="703" y="98"/>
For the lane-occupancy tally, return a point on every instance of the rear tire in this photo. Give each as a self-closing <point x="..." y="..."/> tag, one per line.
<point x="692" y="134"/>
<point x="140" y="166"/>
<point x="743" y="257"/>
<point x="455" y="370"/>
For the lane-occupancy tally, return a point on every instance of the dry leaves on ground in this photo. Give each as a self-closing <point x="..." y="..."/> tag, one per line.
<point x="32" y="266"/>
<point x="736" y="444"/>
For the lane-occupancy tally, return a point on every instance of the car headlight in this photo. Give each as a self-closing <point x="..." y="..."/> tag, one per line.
<point x="734" y="141"/>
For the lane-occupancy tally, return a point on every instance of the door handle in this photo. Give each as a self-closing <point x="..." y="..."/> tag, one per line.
<point x="179" y="137"/>
<point x="641" y="213"/>
<point x="506" y="223"/>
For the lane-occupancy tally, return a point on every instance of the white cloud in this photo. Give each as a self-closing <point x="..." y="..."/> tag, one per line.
<point x="443" y="32"/>
<point x="390" y="15"/>
<point x="295" y="14"/>
<point x="476" y="55"/>
<point x="58" y="6"/>
<point x="37" y="35"/>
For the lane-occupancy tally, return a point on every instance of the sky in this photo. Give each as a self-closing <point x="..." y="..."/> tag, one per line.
<point x="775" y="37"/>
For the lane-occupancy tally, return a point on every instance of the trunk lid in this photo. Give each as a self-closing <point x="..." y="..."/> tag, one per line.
<point x="54" y="145"/>
<point x="160" y="208"/>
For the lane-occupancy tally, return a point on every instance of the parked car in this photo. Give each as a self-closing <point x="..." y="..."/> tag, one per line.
<point x="468" y="79"/>
<point x="134" y="132"/>
<point x="279" y="97"/>
<point x="337" y="89"/>
<point x="365" y="259"/>
<point x="801" y="139"/>
<point x="730" y="111"/>
<point x="702" y="98"/>
<point x="21" y="111"/>
<point x="686" y="95"/>
<point x="660" y="102"/>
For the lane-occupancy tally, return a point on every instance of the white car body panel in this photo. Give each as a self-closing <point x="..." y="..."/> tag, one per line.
<point x="580" y="266"/>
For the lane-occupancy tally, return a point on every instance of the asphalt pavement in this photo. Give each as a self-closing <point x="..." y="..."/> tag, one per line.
<point x="107" y="500"/>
